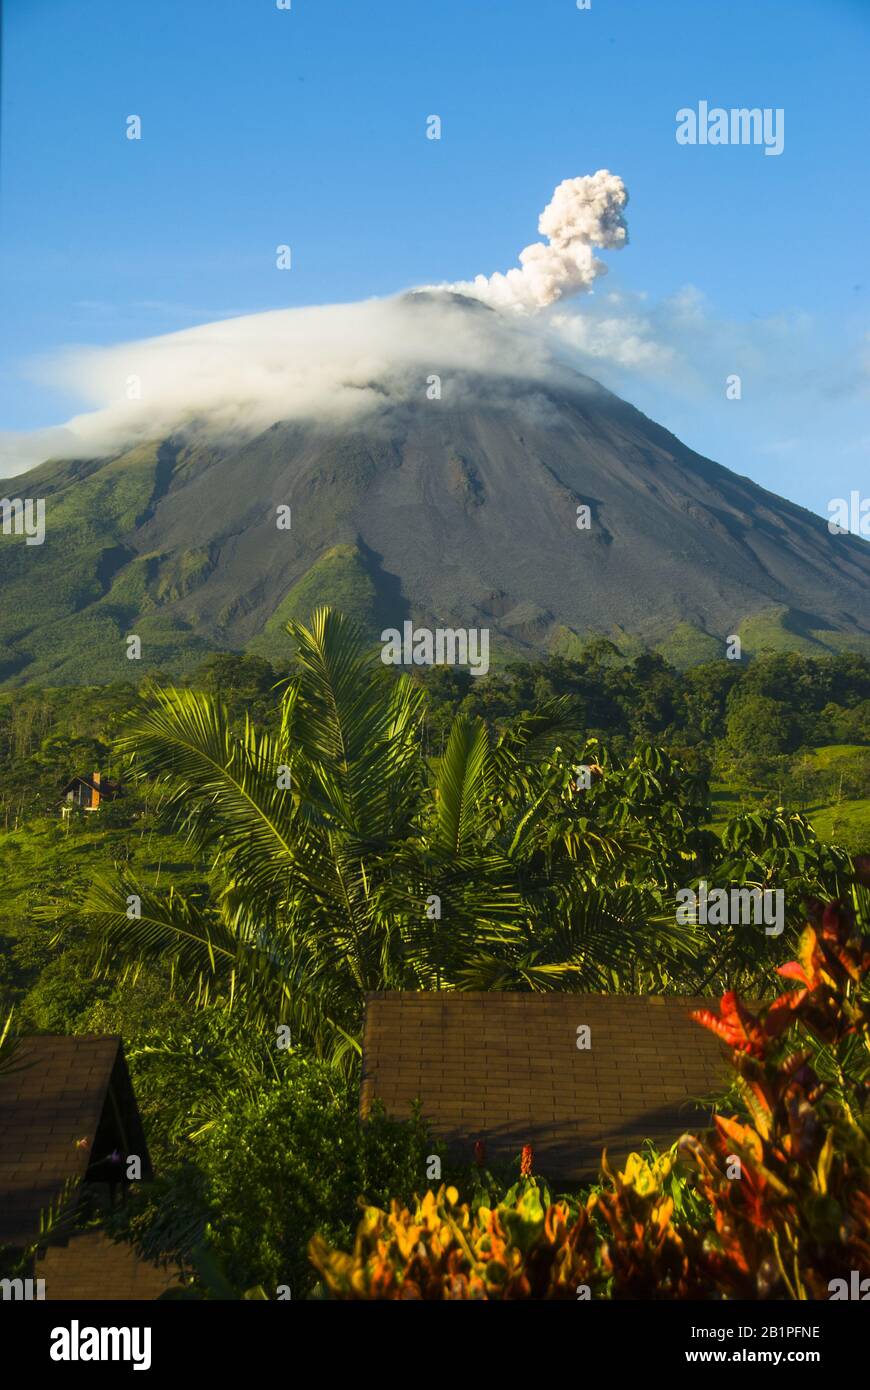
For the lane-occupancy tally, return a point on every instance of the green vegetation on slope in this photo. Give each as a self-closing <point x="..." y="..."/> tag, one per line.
<point x="340" y="579"/>
<point x="780" y="629"/>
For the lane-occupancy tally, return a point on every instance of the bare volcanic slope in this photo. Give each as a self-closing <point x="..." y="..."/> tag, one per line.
<point x="458" y="512"/>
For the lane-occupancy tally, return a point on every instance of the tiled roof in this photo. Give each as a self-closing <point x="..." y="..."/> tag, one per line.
<point x="506" y="1068"/>
<point x="55" y="1097"/>
<point x="90" y="1266"/>
<point x="107" y="789"/>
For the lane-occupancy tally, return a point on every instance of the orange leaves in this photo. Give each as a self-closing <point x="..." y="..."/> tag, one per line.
<point x="445" y="1252"/>
<point x="780" y="1014"/>
<point x="795" y="1181"/>
<point x="735" y="1025"/>
<point x="743" y="1136"/>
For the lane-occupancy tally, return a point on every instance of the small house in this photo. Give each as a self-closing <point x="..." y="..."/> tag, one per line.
<point x="87" y="793"/>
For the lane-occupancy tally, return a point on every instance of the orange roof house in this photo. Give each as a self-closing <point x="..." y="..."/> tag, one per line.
<point x="89" y="792"/>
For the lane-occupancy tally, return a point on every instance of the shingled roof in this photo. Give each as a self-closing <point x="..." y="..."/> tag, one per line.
<point x="61" y="1091"/>
<point x="506" y="1068"/>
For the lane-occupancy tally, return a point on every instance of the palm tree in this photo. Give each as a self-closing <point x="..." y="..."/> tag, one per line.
<point x="344" y="864"/>
<point x="10" y="1060"/>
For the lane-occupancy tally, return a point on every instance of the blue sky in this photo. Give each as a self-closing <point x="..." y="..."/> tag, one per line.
<point x="307" y="127"/>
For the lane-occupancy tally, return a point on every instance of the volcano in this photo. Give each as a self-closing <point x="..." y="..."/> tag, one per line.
<point x="546" y="510"/>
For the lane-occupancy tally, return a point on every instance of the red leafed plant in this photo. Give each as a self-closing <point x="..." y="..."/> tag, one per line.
<point x="788" y="1187"/>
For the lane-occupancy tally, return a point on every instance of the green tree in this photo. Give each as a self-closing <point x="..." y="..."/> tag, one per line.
<point x="761" y="727"/>
<point x="345" y="864"/>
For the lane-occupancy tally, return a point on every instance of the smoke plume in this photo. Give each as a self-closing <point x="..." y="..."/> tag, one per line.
<point x="583" y="213"/>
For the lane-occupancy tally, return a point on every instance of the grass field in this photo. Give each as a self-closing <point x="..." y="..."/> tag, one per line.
<point x="838" y="817"/>
<point x="847" y="823"/>
<point x="41" y="865"/>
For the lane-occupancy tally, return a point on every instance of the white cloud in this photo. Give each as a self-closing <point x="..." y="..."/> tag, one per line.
<point x="332" y="363"/>
<point x="622" y="339"/>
